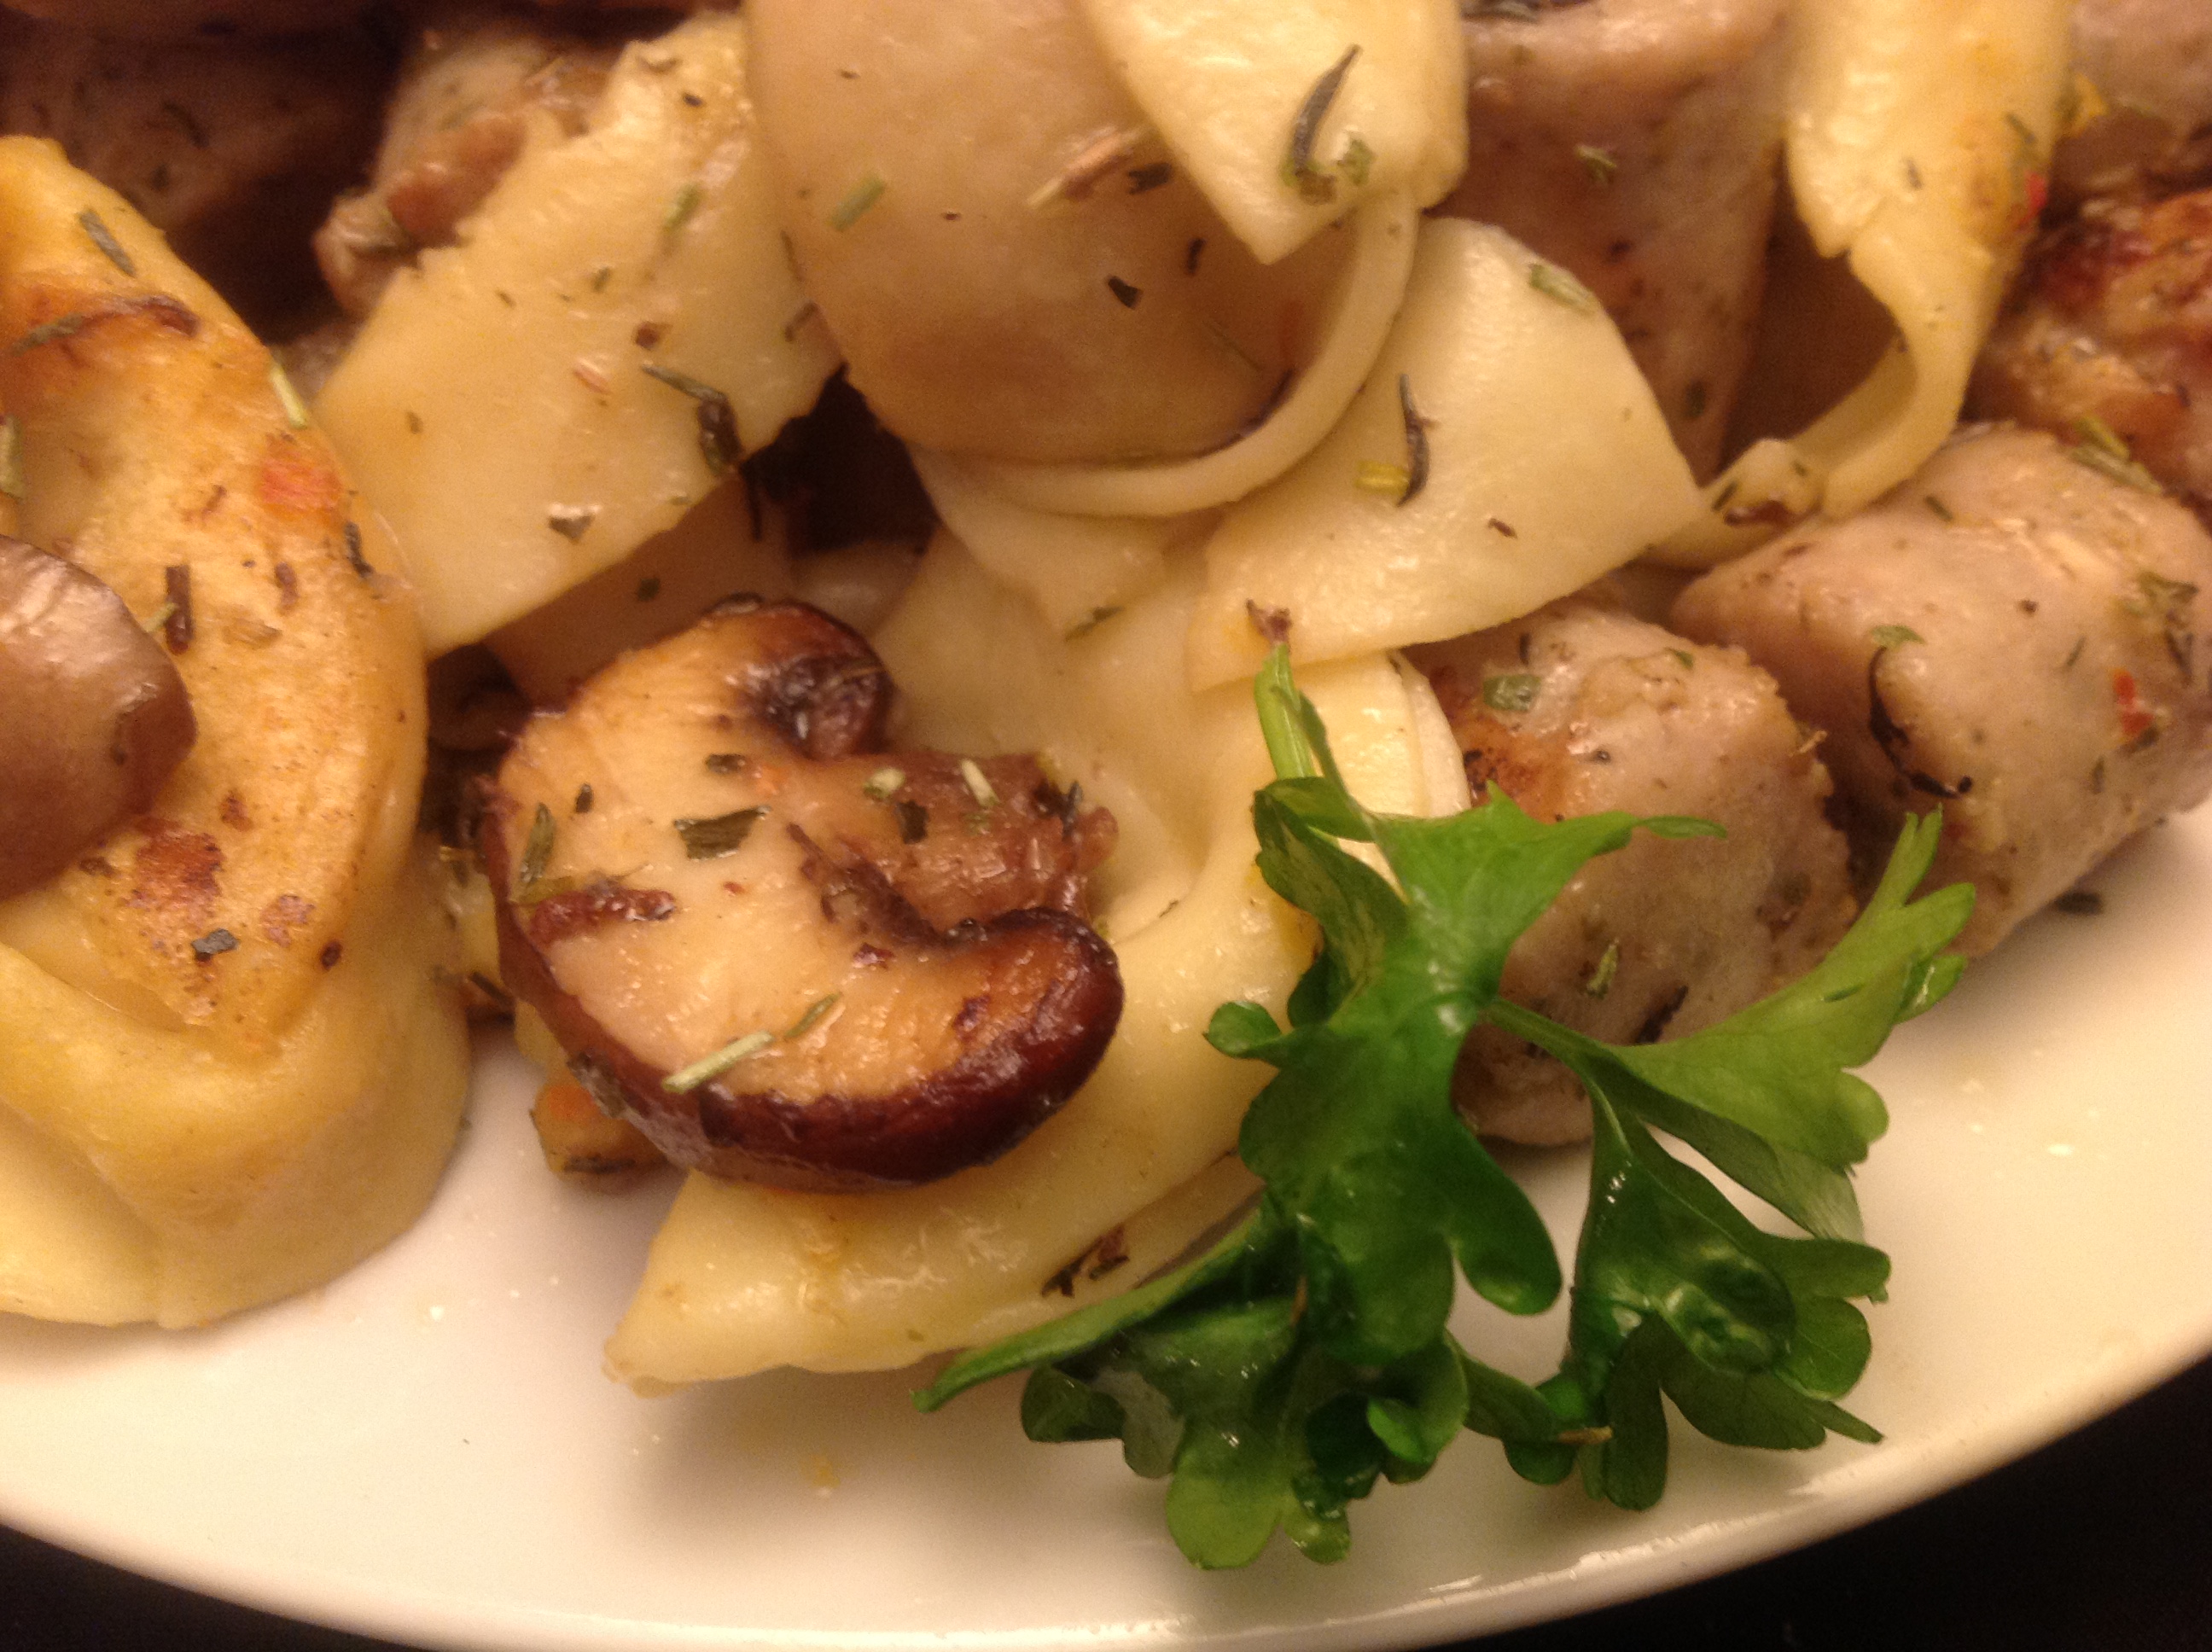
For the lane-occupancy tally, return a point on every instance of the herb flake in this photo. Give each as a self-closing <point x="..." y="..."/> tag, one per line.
<point x="858" y="199"/>
<point x="684" y="1080"/>
<point x="1299" y="173"/>
<point x="1556" y="284"/>
<point x="104" y="239"/>
<point x="711" y="837"/>
<point x="1512" y="690"/>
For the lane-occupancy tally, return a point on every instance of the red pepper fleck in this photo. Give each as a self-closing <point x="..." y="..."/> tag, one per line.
<point x="2035" y="193"/>
<point x="2135" y="718"/>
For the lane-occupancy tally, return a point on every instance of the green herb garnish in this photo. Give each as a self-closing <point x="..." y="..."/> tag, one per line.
<point x="1894" y="636"/>
<point x="1511" y="690"/>
<point x="295" y="410"/>
<point x="104" y="239"/>
<point x="686" y="1080"/>
<point x="1603" y="166"/>
<point x="811" y="1017"/>
<point x="1554" y="283"/>
<point x="711" y="838"/>
<point x="862" y="195"/>
<point x="1305" y="1356"/>
<point x="1298" y="170"/>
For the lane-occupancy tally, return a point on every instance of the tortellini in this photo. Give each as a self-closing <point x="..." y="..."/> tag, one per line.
<point x="618" y="324"/>
<point x="231" y="1063"/>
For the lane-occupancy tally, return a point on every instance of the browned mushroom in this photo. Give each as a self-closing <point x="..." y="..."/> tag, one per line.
<point x="97" y="717"/>
<point x="785" y="954"/>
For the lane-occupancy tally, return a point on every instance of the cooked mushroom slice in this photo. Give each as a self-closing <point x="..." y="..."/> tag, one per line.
<point x="466" y="96"/>
<point x="1636" y="142"/>
<point x="2112" y="321"/>
<point x="2013" y="634"/>
<point x="785" y="954"/>
<point x="1581" y="708"/>
<point x="97" y="717"/>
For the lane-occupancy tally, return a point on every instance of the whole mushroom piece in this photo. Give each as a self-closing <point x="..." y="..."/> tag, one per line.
<point x="786" y="955"/>
<point x="97" y="716"/>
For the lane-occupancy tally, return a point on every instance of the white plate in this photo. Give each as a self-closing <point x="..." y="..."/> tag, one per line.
<point x="426" y="1450"/>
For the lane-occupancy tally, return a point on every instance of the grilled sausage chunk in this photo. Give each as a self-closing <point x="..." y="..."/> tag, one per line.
<point x="1635" y="142"/>
<point x="2112" y="320"/>
<point x="2012" y="633"/>
<point x="97" y="717"/>
<point x="1581" y="708"/>
<point x="783" y="953"/>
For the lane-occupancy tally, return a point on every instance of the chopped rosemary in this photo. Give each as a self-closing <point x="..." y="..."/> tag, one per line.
<point x="1511" y="690"/>
<point x="572" y="522"/>
<point x="885" y="781"/>
<point x="601" y="276"/>
<point x="681" y="209"/>
<point x="47" y="332"/>
<point x="1152" y="177"/>
<point x="104" y="239"/>
<point x="11" y="457"/>
<point x="1556" y="284"/>
<point x="1603" y="166"/>
<point x="711" y="838"/>
<point x="536" y="849"/>
<point x="727" y="762"/>
<point x="1894" y="636"/>
<point x="1298" y="170"/>
<point x="354" y="558"/>
<point x="913" y="820"/>
<point x="718" y="420"/>
<point x="1608" y="965"/>
<point x="978" y="784"/>
<point x="685" y="1079"/>
<point x="584" y="800"/>
<point x="1125" y="294"/>
<point x="177" y="587"/>
<point x="295" y="410"/>
<point x="862" y="195"/>
<point x="159" y="619"/>
<point x="1092" y="621"/>
<point x="1942" y="511"/>
<point x="1075" y="181"/>
<point x="1416" y="442"/>
<point x="812" y="1016"/>
<point x="2104" y="449"/>
<point x="1687" y="660"/>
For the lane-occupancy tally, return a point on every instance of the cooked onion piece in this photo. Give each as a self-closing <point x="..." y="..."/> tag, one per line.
<point x="1366" y="302"/>
<point x="1012" y="262"/>
<point x="97" y="716"/>
<point x="820" y="964"/>
<point x="620" y="323"/>
<point x="226" y="1062"/>
<point x="1919" y="138"/>
<point x="1288" y="113"/>
<point x="1505" y="451"/>
<point x="743" y="1278"/>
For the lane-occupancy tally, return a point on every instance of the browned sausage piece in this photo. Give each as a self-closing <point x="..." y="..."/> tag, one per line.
<point x="96" y="716"/>
<point x="1636" y="141"/>
<point x="786" y="954"/>
<point x="2011" y="634"/>
<point x="1581" y="708"/>
<point x="2112" y="320"/>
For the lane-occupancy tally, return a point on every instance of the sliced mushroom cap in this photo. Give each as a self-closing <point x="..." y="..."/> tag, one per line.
<point x="97" y="717"/>
<point x="786" y="955"/>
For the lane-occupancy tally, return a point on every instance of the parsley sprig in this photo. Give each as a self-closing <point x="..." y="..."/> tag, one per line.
<point x="1305" y="1355"/>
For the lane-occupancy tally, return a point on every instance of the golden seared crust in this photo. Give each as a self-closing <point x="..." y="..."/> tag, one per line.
<point x="709" y="850"/>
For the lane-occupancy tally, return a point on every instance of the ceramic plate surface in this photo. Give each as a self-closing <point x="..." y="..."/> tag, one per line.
<point x="426" y="1449"/>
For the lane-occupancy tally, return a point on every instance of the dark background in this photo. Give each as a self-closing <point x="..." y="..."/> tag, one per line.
<point x="2101" y="1543"/>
